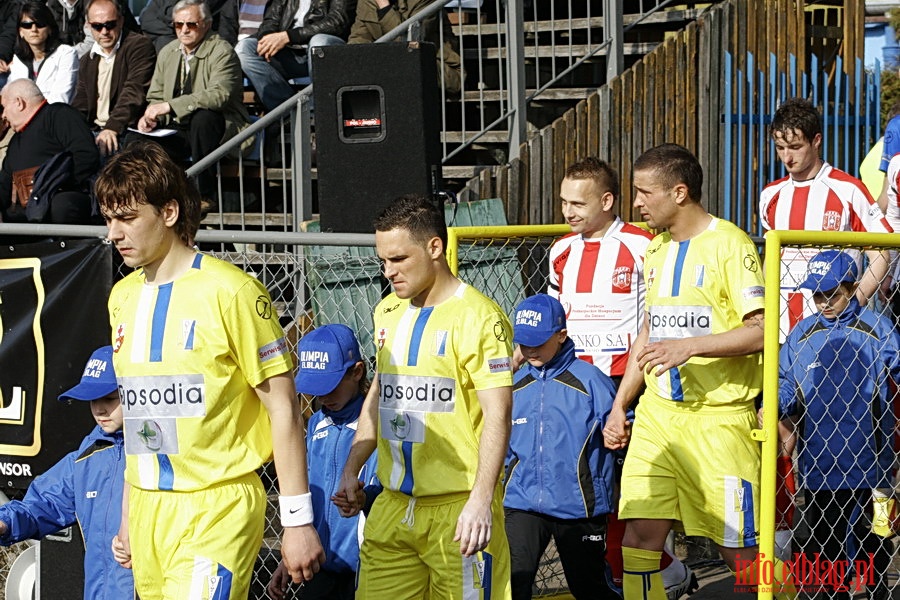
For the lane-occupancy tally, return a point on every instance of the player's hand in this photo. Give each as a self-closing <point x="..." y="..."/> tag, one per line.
<point x="121" y="549"/>
<point x="349" y="497"/>
<point x="617" y="430"/>
<point x="518" y="359"/>
<point x="4" y="528"/>
<point x="659" y="357"/>
<point x="473" y="527"/>
<point x="279" y="583"/>
<point x="301" y="553"/>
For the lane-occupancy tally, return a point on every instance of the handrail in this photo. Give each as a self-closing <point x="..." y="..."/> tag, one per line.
<point x="276" y="114"/>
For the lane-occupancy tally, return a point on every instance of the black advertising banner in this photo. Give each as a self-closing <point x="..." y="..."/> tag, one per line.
<point x="52" y="316"/>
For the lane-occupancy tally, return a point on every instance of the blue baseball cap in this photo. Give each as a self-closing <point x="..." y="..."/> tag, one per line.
<point x="98" y="379"/>
<point x="536" y="319"/>
<point x="828" y="269"/>
<point x="325" y="355"/>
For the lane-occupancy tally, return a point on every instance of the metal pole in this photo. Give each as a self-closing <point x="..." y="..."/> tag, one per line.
<point x="302" y="167"/>
<point x="612" y="28"/>
<point x="515" y="64"/>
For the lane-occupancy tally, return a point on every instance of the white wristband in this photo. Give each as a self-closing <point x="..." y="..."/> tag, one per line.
<point x="296" y="510"/>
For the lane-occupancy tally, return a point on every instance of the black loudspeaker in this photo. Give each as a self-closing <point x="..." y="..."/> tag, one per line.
<point x="377" y="113"/>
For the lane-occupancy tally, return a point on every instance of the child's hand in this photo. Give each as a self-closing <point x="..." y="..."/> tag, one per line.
<point x="4" y="528"/>
<point x="279" y="583"/>
<point x="121" y="552"/>
<point x="349" y="498"/>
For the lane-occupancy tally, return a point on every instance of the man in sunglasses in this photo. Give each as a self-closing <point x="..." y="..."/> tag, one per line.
<point x="196" y="92"/>
<point x="114" y="76"/>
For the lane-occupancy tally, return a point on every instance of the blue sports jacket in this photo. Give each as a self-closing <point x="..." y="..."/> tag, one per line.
<point x="834" y="375"/>
<point x="556" y="464"/>
<point x="328" y="438"/>
<point x="85" y="486"/>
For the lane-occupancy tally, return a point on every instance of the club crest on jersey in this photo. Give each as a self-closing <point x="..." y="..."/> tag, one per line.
<point x="650" y="276"/>
<point x="831" y="221"/>
<point x="621" y="279"/>
<point x="151" y="435"/>
<point x="120" y="337"/>
<point x="382" y="337"/>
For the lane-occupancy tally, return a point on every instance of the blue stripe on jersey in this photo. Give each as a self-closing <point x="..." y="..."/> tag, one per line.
<point x="166" y="474"/>
<point x="406" y="486"/>
<point x="197" y="259"/>
<point x="747" y="509"/>
<point x="158" y="327"/>
<point x="679" y="265"/>
<point x="223" y="591"/>
<point x="415" y="339"/>
<point x="675" y="385"/>
<point x="189" y="341"/>
<point x="487" y="584"/>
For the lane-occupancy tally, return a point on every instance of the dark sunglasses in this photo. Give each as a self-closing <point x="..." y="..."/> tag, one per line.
<point x="31" y="24"/>
<point x="192" y="25"/>
<point x="108" y="25"/>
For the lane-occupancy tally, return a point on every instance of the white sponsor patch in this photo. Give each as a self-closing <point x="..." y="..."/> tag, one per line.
<point x="597" y="342"/>
<point x="676" y="322"/>
<point x="757" y="291"/>
<point x="499" y="365"/>
<point x="151" y="436"/>
<point x="164" y="396"/>
<point x="276" y="348"/>
<point x="417" y="393"/>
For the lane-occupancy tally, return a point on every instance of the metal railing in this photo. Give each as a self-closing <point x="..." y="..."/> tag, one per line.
<point x="510" y="60"/>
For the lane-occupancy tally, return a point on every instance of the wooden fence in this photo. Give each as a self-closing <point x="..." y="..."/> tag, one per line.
<point x="677" y="93"/>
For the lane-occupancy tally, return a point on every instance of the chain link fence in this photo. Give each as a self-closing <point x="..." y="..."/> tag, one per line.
<point x="838" y="366"/>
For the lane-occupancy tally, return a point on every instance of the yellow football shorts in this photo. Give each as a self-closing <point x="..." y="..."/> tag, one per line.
<point x="695" y="464"/>
<point x="408" y="552"/>
<point x="197" y="545"/>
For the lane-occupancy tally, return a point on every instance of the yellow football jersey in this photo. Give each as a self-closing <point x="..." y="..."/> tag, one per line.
<point x="430" y="363"/>
<point x="703" y="286"/>
<point x="187" y="356"/>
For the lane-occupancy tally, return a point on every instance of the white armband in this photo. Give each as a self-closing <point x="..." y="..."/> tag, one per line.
<point x="296" y="510"/>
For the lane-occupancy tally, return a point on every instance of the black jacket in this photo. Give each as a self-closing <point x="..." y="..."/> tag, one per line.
<point x="9" y="28"/>
<point x="333" y="17"/>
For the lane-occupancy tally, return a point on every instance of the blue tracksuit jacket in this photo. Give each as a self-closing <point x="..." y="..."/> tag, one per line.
<point x="328" y="438"/>
<point x="85" y="486"/>
<point x="834" y="375"/>
<point x="556" y="464"/>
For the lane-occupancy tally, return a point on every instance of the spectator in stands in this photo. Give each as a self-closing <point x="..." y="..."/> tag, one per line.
<point x="374" y="18"/>
<point x="281" y="49"/>
<point x="114" y="76"/>
<point x="600" y="267"/>
<point x="41" y="56"/>
<point x="157" y="21"/>
<point x="84" y="488"/>
<point x="559" y="477"/>
<point x="834" y="375"/>
<point x="9" y="32"/>
<point x="699" y="355"/>
<point x="42" y="132"/>
<point x="74" y="31"/>
<point x="196" y="91"/>
<point x="332" y="370"/>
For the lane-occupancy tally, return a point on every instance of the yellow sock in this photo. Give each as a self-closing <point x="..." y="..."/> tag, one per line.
<point x="641" y="577"/>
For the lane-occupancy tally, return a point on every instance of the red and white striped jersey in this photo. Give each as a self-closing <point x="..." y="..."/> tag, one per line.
<point x="831" y="201"/>
<point x="600" y="283"/>
<point x="892" y="212"/>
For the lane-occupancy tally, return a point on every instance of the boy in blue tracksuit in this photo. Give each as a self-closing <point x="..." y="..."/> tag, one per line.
<point x="559" y="476"/>
<point x="834" y="372"/>
<point x="332" y="369"/>
<point x="84" y="487"/>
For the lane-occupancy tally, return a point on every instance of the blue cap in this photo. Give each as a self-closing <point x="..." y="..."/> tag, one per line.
<point x="828" y="269"/>
<point x="537" y="318"/>
<point x="98" y="379"/>
<point x="325" y="355"/>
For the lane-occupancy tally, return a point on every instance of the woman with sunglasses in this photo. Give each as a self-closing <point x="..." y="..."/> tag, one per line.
<point x="41" y="57"/>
